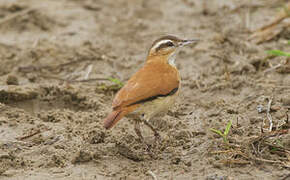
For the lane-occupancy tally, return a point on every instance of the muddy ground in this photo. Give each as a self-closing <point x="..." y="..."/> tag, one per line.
<point x="56" y="57"/>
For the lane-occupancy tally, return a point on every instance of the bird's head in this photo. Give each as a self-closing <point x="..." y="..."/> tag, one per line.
<point x="167" y="45"/>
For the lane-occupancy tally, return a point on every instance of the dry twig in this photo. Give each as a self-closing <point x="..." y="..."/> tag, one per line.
<point x="152" y="174"/>
<point x="272" y="68"/>
<point x="286" y="177"/>
<point x="29" y="135"/>
<point x="18" y="14"/>
<point x="272" y="29"/>
<point x="72" y="81"/>
<point x="89" y="70"/>
<point x="269" y="115"/>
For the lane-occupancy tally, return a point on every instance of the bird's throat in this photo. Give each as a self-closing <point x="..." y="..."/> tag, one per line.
<point x="171" y="59"/>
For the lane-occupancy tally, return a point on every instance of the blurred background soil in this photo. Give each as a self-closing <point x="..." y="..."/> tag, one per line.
<point x="55" y="60"/>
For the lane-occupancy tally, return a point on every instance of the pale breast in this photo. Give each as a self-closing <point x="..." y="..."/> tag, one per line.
<point x="159" y="106"/>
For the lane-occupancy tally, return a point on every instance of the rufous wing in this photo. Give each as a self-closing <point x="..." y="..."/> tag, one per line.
<point x="153" y="79"/>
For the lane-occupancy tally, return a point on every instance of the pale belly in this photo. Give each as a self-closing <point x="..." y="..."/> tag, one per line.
<point x="159" y="106"/>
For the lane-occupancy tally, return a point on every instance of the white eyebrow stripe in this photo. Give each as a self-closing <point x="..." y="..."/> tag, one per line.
<point x="161" y="42"/>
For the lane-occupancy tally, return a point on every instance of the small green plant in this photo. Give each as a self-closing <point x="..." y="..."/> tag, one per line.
<point x="278" y="53"/>
<point x="287" y="11"/>
<point x="116" y="81"/>
<point x="117" y="85"/>
<point x="226" y="132"/>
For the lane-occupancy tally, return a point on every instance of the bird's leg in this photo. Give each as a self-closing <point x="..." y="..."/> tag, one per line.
<point x="139" y="134"/>
<point x="138" y="130"/>
<point x="156" y="134"/>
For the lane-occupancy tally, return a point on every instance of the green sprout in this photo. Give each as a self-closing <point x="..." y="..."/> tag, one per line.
<point x="287" y="11"/>
<point x="278" y="53"/>
<point x="116" y="81"/>
<point x="117" y="84"/>
<point x="226" y="132"/>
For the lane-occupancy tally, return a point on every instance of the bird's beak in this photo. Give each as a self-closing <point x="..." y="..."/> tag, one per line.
<point x="186" y="42"/>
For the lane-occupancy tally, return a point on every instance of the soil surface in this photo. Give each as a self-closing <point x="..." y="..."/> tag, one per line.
<point x="55" y="60"/>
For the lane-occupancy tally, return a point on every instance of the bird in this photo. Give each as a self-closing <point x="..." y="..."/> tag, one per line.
<point x="153" y="89"/>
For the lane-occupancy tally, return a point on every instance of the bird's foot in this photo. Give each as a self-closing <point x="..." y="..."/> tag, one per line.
<point x="148" y="147"/>
<point x="157" y="138"/>
<point x="156" y="134"/>
<point x="149" y="150"/>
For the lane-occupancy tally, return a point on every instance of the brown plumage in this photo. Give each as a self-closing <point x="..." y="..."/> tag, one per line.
<point x="153" y="88"/>
<point x="141" y="86"/>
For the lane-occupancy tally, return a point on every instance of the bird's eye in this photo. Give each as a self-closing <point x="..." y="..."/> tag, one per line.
<point x="162" y="45"/>
<point x="169" y="44"/>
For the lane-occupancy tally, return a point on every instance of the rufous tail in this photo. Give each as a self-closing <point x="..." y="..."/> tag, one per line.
<point x="116" y="115"/>
<point x="113" y="118"/>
